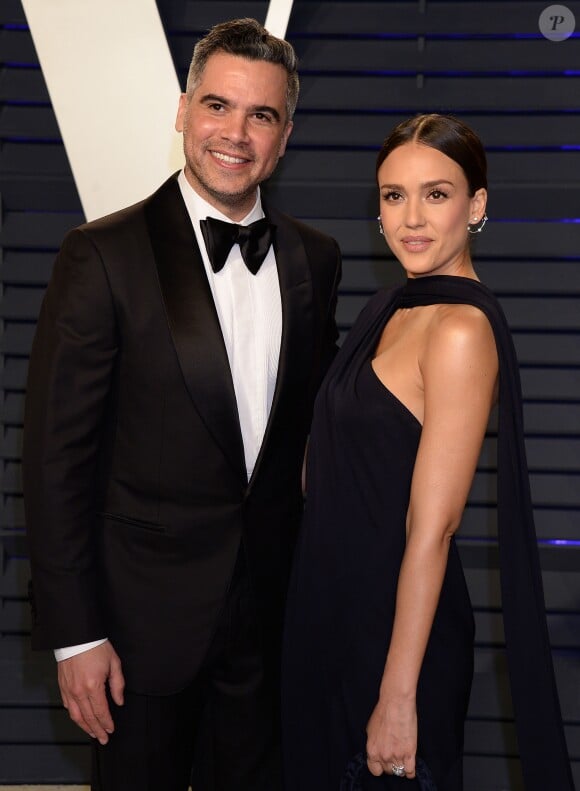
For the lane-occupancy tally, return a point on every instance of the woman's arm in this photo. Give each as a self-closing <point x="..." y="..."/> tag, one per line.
<point x="459" y="368"/>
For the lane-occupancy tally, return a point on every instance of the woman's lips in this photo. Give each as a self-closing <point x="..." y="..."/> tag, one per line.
<point x="416" y="244"/>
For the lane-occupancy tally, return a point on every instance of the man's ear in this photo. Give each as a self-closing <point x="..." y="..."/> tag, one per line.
<point x="181" y="110"/>
<point x="285" y="136"/>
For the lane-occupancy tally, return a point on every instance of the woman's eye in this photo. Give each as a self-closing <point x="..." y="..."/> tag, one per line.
<point x="392" y="196"/>
<point x="437" y="194"/>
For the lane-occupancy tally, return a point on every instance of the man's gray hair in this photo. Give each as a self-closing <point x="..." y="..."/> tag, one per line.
<point x="246" y="38"/>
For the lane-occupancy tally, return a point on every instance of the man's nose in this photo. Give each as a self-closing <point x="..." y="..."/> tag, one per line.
<point x="236" y="128"/>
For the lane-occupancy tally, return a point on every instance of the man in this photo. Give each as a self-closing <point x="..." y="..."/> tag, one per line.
<point x="166" y="417"/>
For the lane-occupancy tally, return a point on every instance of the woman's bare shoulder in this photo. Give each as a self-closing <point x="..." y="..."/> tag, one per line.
<point x="460" y="334"/>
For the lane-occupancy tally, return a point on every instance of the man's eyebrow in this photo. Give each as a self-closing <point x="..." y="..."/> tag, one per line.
<point x="265" y="108"/>
<point x="213" y="97"/>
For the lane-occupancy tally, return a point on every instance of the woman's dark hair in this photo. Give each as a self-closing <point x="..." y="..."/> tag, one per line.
<point x="446" y="134"/>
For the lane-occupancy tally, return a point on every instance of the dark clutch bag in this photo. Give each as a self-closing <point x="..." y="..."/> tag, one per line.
<point x="357" y="769"/>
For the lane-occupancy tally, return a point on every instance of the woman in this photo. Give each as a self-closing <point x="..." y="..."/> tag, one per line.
<point x="378" y="651"/>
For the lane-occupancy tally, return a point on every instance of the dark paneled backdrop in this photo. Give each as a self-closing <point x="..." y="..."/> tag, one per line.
<point x="364" y="67"/>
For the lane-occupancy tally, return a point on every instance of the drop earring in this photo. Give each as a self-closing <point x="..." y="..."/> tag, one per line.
<point x="381" y="231"/>
<point x="477" y="225"/>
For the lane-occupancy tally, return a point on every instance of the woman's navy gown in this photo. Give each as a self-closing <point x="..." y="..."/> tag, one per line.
<point x="342" y="594"/>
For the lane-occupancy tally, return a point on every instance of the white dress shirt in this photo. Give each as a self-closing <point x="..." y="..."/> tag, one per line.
<point x="249" y="309"/>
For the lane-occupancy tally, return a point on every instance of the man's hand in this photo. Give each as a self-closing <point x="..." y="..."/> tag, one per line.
<point x="82" y="680"/>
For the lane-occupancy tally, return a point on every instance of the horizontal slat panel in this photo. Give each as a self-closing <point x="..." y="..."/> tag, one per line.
<point x="38" y="726"/>
<point x="435" y="18"/>
<point x="11" y="477"/>
<point x="26" y="677"/>
<point x="26" y="267"/>
<point x="560" y="565"/>
<point x="532" y="277"/>
<point x="17" y="338"/>
<point x="551" y="523"/>
<point x="564" y="629"/>
<point x="12" y="513"/>
<point x="52" y="193"/>
<point x="494" y="773"/>
<point x="356" y="18"/>
<point x="23" y="85"/>
<point x="547" y="489"/>
<point x="502" y="277"/>
<point x="436" y="94"/>
<point x="500" y="131"/>
<point x="37" y="231"/>
<point x="561" y="588"/>
<point x="551" y="384"/>
<point x="13" y="408"/>
<point x="414" y="55"/>
<point x="28" y="122"/>
<point x="324" y="199"/>
<point x="539" y="418"/>
<point x="15" y="619"/>
<point x="356" y="237"/>
<point x="524" y="241"/>
<point x="365" y="130"/>
<point x="21" y="302"/>
<point x="537" y="384"/>
<point x="332" y="199"/>
<point x="561" y="313"/>
<point x="523" y="313"/>
<point x="11" y="443"/>
<point x="11" y="12"/>
<point x="358" y="168"/>
<point x="16" y="47"/>
<point x="35" y="159"/>
<point x="544" y="454"/>
<point x="63" y="763"/>
<point x="551" y="419"/>
<point x="490" y="693"/>
<point x="479" y="554"/>
<point x="493" y="738"/>
<point x="405" y="94"/>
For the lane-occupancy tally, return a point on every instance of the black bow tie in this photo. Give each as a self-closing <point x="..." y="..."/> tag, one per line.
<point x="254" y="240"/>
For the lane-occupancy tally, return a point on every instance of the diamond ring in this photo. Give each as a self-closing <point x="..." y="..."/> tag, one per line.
<point x="398" y="770"/>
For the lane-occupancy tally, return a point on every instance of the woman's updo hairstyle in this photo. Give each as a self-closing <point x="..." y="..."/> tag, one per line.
<point x="448" y="135"/>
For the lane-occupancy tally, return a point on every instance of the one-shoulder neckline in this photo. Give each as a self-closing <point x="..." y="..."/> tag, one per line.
<point x="396" y="400"/>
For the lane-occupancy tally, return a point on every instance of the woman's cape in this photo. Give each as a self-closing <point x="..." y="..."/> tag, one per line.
<point x="540" y="733"/>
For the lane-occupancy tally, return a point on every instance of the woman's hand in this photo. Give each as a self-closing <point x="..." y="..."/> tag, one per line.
<point x="392" y="736"/>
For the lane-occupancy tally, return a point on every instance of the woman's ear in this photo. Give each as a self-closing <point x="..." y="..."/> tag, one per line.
<point x="478" y="204"/>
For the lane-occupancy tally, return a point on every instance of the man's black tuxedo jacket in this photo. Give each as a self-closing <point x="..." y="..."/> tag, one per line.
<point x="136" y="493"/>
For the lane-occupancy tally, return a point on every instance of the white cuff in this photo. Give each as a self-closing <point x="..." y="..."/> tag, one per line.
<point x="73" y="650"/>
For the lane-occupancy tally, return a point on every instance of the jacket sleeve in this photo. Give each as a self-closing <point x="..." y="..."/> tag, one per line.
<point x="69" y="383"/>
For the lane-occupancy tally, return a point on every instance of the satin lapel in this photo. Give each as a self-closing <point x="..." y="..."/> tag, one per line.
<point x="296" y="293"/>
<point x="193" y="320"/>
